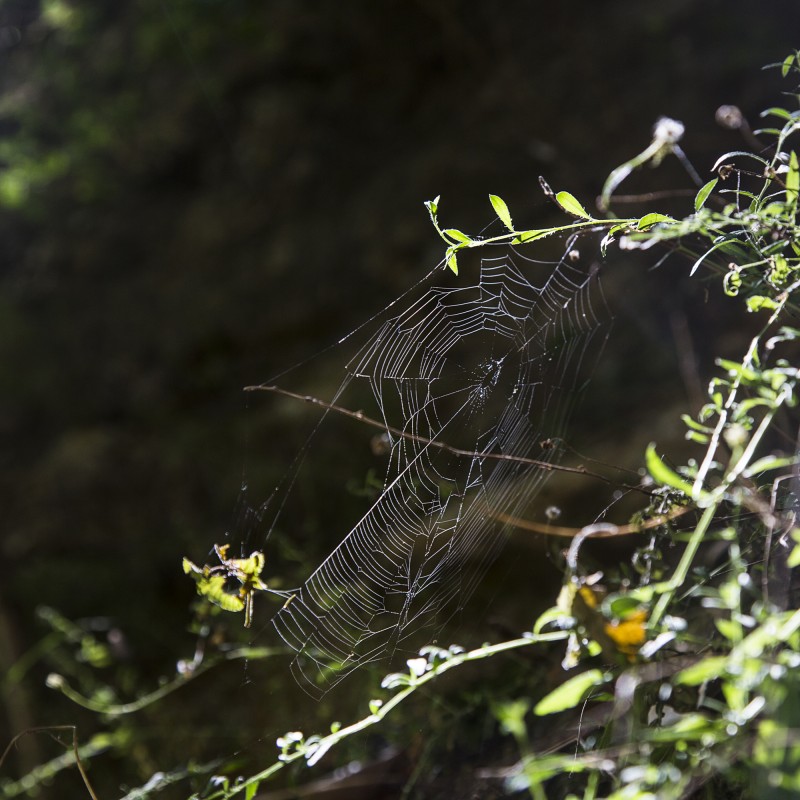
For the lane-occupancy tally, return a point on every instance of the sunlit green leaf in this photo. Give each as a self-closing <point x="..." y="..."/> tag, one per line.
<point x="737" y="370"/>
<point x="570" y="693"/>
<point x="706" y="670"/>
<point x="648" y="220"/>
<point x="549" y="617"/>
<point x="501" y="209"/>
<point x="702" y="195"/>
<point x="696" y="426"/>
<point x="792" y="182"/>
<point x="732" y="282"/>
<point x="688" y="727"/>
<point x="511" y="716"/>
<point x="787" y="64"/>
<point x="776" y="111"/>
<point x="457" y="235"/>
<point x="452" y="261"/>
<point x="730" y="629"/>
<point x="663" y="474"/>
<point x="760" y="303"/>
<point x="768" y="463"/>
<point x="571" y="205"/>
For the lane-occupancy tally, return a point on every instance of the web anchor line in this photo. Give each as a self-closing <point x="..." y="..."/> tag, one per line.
<point x="457" y="451"/>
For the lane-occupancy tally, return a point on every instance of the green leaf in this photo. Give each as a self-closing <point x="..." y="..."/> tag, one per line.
<point x="696" y="426"/>
<point x="702" y="195"/>
<point x="571" y="205"/>
<point x="622" y="606"/>
<point x="760" y="303"/>
<point x="663" y="474"/>
<point x="730" y="629"/>
<point x="776" y="111"/>
<point x="787" y="64"/>
<point x="648" y="220"/>
<point x="768" y="463"/>
<point x="501" y="209"/>
<point x="457" y="235"/>
<point x="452" y="261"/>
<point x="433" y="205"/>
<point x="570" y="693"/>
<point x="794" y="557"/>
<point x="737" y="370"/>
<point x="554" y="614"/>
<point x="792" y="183"/>
<point x="689" y="727"/>
<point x="706" y="670"/>
<point x="732" y="282"/>
<point x="250" y="791"/>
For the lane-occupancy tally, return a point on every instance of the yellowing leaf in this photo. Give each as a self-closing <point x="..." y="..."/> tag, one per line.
<point x="213" y="587"/>
<point x="629" y="634"/>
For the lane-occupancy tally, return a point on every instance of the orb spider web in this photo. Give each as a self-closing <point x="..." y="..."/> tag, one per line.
<point x="473" y="382"/>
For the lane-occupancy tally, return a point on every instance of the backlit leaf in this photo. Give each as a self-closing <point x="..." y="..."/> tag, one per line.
<point x="761" y="303"/>
<point x="702" y="195"/>
<point x="452" y="261"/>
<point x="457" y="235"/>
<point x="501" y="209"/>
<point x="571" y="205"/>
<point x="648" y="220"/>
<point x="570" y="693"/>
<point x="792" y="182"/>
<point x="706" y="670"/>
<point x="663" y="474"/>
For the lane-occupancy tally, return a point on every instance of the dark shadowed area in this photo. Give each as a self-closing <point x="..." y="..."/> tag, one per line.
<point x="198" y="195"/>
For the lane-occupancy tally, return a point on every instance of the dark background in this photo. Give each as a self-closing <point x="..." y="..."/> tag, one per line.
<point x="198" y="195"/>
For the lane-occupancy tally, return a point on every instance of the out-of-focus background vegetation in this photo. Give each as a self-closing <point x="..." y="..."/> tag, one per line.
<point x="198" y="194"/>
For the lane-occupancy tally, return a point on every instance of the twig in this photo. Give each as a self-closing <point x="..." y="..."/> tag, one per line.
<point x="457" y="451"/>
<point x="600" y="531"/>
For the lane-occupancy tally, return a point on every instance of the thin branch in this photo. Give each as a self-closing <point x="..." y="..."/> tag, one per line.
<point x="457" y="451"/>
<point x="598" y="531"/>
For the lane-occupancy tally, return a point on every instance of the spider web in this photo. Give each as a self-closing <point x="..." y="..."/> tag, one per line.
<point x="469" y="380"/>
